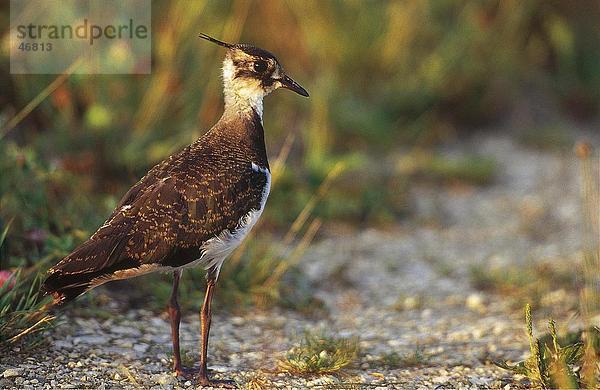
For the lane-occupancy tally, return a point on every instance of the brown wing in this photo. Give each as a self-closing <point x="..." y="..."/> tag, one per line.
<point x="165" y="223"/>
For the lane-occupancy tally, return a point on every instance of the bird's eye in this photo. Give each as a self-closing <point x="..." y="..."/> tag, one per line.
<point x="260" y="66"/>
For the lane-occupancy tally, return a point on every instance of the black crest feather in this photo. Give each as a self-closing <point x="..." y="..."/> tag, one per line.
<point x="214" y="40"/>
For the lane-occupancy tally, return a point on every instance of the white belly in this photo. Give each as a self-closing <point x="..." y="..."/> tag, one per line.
<point x="217" y="249"/>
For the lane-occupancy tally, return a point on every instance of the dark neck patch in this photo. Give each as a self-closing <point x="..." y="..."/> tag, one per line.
<point x="242" y="132"/>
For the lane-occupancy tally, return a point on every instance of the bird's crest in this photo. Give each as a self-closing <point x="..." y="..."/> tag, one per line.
<point x="214" y="40"/>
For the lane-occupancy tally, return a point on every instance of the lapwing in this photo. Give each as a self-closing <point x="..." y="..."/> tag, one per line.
<point x="192" y="209"/>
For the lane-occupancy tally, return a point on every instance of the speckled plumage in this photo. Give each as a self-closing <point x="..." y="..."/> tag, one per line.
<point x="166" y="217"/>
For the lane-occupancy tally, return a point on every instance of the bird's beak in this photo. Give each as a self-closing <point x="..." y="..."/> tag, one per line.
<point x="288" y="83"/>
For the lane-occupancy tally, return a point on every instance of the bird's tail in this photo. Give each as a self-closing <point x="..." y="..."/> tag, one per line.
<point x="64" y="288"/>
<point x="88" y="266"/>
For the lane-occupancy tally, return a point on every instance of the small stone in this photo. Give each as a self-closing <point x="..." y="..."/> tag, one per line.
<point x="140" y="347"/>
<point x="481" y="382"/>
<point x="126" y="330"/>
<point x="478" y="333"/>
<point x="187" y="383"/>
<point x="221" y="368"/>
<point x="117" y="377"/>
<point x="411" y="303"/>
<point x="440" y="379"/>
<point x="475" y="302"/>
<point x="92" y="340"/>
<point x="11" y="372"/>
<point x="165" y="379"/>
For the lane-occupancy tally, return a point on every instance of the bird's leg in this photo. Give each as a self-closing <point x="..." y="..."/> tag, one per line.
<point x="175" y="314"/>
<point x="205" y="318"/>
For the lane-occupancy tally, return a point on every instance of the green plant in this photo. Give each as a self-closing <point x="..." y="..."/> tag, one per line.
<point x="257" y="381"/>
<point x="318" y="353"/>
<point x="23" y="316"/>
<point x="23" y="313"/>
<point x="549" y="365"/>
<point x="395" y="360"/>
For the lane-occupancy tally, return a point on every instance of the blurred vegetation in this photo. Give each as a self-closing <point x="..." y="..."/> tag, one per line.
<point x="388" y="78"/>
<point x="394" y="360"/>
<point x="546" y="285"/>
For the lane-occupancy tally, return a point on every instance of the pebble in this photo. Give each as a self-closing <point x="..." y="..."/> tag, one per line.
<point x="11" y="372"/>
<point x="165" y="379"/>
<point x="141" y="347"/>
<point x="475" y="302"/>
<point x="93" y="340"/>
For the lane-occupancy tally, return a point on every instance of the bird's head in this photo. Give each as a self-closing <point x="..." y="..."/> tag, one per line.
<point x="251" y="73"/>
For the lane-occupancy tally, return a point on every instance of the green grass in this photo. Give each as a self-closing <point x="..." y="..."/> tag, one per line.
<point x="23" y="313"/>
<point x="394" y="360"/>
<point x="318" y="354"/>
<point x="552" y="364"/>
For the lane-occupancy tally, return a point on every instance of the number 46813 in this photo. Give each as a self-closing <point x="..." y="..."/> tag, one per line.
<point x="35" y="46"/>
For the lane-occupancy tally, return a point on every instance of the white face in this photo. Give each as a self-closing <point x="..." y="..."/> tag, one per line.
<point x="248" y="79"/>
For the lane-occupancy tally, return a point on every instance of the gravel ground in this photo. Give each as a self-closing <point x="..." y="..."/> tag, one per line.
<point x="399" y="290"/>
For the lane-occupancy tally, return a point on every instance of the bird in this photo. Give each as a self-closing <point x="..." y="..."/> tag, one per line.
<point x="193" y="208"/>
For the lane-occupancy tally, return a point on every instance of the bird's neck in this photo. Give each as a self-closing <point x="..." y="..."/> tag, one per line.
<point x="241" y="126"/>
<point x="240" y="102"/>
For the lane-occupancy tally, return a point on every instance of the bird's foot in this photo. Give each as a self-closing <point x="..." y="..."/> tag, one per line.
<point x="187" y="373"/>
<point x="216" y="383"/>
<point x="202" y="378"/>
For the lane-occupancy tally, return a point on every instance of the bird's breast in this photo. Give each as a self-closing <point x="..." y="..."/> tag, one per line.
<point x="218" y="248"/>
